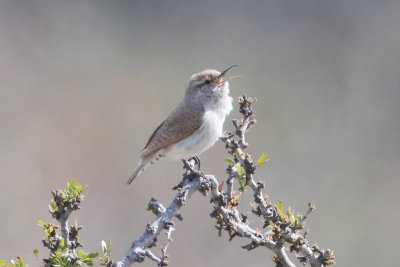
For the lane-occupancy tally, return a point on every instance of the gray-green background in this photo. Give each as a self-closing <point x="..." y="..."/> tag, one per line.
<point x="84" y="83"/>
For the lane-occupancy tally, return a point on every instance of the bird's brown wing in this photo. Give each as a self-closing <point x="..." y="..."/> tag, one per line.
<point x="181" y="123"/>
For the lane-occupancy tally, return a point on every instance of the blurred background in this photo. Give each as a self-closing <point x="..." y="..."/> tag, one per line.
<point x="84" y="83"/>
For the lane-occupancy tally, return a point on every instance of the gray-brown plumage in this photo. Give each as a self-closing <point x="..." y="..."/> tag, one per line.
<point x="195" y="125"/>
<point x="181" y="123"/>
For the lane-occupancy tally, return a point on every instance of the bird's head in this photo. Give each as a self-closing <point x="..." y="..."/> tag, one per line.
<point x="208" y="83"/>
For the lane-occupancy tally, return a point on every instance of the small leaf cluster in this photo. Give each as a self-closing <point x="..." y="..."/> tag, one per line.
<point x="282" y="222"/>
<point x="60" y="253"/>
<point x="13" y="263"/>
<point x="242" y="166"/>
<point x="51" y="240"/>
<point x="241" y="176"/>
<point x="66" y="199"/>
<point x="288" y="217"/>
<point x="106" y="251"/>
<point x="68" y="253"/>
<point x="63" y="258"/>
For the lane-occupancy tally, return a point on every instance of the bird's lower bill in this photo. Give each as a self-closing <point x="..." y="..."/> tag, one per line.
<point x="219" y="81"/>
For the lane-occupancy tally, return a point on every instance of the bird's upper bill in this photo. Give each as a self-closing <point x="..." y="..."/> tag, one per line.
<point x="206" y="77"/>
<point x="220" y="79"/>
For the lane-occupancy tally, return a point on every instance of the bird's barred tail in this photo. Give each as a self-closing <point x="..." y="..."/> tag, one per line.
<point x="145" y="161"/>
<point x="138" y="170"/>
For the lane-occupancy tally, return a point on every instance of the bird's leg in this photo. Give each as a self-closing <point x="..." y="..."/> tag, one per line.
<point x="196" y="162"/>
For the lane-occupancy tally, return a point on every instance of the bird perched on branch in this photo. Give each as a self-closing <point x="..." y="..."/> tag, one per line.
<point x="195" y="125"/>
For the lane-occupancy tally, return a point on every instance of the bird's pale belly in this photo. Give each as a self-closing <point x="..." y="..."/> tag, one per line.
<point x="199" y="141"/>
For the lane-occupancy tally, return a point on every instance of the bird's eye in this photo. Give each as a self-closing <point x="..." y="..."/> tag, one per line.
<point x="207" y="81"/>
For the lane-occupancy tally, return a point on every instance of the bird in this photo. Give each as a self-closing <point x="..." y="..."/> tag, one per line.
<point x="194" y="125"/>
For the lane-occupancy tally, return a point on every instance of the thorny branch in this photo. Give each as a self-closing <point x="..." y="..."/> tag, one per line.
<point x="283" y="230"/>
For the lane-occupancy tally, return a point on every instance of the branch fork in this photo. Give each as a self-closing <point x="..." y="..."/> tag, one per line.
<point x="281" y="228"/>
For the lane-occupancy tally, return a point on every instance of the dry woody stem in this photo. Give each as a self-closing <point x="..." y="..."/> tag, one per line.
<point x="283" y="231"/>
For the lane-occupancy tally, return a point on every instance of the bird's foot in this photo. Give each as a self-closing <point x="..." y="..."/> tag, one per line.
<point x="192" y="164"/>
<point x="196" y="162"/>
<point x="192" y="167"/>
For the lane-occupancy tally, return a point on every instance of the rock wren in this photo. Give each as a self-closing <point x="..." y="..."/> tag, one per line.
<point x="195" y="125"/>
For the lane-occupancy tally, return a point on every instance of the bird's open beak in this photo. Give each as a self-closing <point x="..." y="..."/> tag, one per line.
<point x="220" y="78"/>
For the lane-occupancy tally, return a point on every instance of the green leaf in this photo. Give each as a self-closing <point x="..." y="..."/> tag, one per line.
<point x="62" y="243"/>
<point x="262" y="159"/>
<point x="3" y="263"/>
<point x="289" y="211"/>
<point x="20" y="262"/>
<point x="103" y="246"/>
<point x="292" y="219"/>
<point x="57" y="262"/>
<point x="74" y="188"/>
<point x="241" y="176"/>
<point x="35" y="252"/>
<point x="229" y="161"/>
<point x="240" y="170"/>
<point x="298" y="218"/>
<point x="48" y="230"/>
<point x="242" y="183"/>
<point x="53" y="206"/>
<point x="279" y="207"/>
<point x="41" y="223"/>
<point x="109" y="246"/>
<point x="106" y="247"/>
<point x="93" y="255"/>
